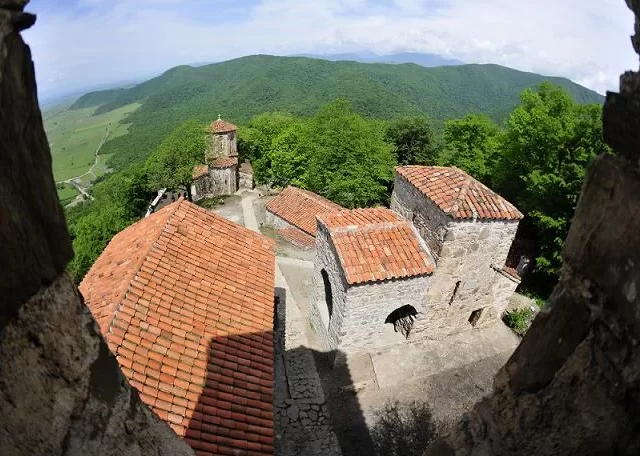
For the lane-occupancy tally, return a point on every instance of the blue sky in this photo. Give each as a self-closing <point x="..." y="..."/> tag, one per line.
<point x="80" y="44"/>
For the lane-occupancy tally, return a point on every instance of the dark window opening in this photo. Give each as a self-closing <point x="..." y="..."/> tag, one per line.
<point x="475" y="316"/>
<point x="328" y="294"/>
<point x="402" y="318"/>
<point x="455" y="292"/>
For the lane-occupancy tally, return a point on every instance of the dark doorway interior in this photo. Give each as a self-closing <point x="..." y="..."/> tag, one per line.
<point x="328" y="294"/>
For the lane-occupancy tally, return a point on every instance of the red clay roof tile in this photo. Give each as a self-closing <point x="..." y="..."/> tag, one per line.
<point x="220" y="126"/>
<point x="199" y="171"/>
<point x="458" y="194"/>
<point x="300" y="207"/>
<point x="224" y="162"/>
<point x="183" y="296"/>
<point x="375" y="244"/>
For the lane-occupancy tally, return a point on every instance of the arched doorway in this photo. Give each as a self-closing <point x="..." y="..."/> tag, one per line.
<point x="402" y="319"/>
<point x="327" y="312"/>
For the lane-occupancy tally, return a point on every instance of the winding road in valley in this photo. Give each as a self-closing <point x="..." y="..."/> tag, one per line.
<point x="77" y="180"/>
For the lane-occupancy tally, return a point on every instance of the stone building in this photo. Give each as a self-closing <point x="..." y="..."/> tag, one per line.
<point x="469" y="230"/>
<point x="431" y="266"/>
<point x="184" y="299"/>
<point x="293" y="215"/>
<point x="370" y="264"/>
<point x="219" y="175"/>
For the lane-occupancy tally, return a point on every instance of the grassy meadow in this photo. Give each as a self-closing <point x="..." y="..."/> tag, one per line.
<point x="75" y="134"/>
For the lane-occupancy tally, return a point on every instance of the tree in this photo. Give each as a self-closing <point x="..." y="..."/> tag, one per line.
<point x="289" y="156"/>
<point x="413" y="141"/>
<point x="119" y="200"/>
<point x="255" y="141"/>
<point x="549" y="142"/>
<point x="171" y="164"/>
<point x="471" y="144"/>
<point x="349" y="160"/>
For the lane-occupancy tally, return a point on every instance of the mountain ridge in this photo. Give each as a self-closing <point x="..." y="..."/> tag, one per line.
<point x="244" y="87"/>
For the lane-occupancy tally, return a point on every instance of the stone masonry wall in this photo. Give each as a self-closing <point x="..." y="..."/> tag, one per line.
<point x="201" y="188"/>
<point x="61" y="390"/>
<point x="426" y="216"/>
<point x="327" y="259"/>
<point x="573" y="384"/>
<point x="223" y="180"/>
<point x="277" y="222"/>
<point x="368" y="305"/>
<point x="221" y="145"/>
<point x="245" y="180"/>
<point x="468" y="252"/>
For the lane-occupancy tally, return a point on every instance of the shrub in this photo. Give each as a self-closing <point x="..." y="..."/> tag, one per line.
<point x="519" y="320"/>
<point x="403" y="430"/>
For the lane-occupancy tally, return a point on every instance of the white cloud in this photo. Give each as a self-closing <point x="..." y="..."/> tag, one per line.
<point x="107" y="41"/>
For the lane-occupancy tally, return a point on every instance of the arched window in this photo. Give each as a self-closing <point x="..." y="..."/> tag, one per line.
<point x="328" y="294"/>
<point x="402" y="319"/>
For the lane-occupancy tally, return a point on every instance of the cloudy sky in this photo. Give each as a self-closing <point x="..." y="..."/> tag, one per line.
<point x="79" y="44"/>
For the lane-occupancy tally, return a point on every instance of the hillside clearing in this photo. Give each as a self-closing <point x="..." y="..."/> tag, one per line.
<point x="74" y="135"/>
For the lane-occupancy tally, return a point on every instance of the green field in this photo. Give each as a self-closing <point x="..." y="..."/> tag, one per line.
<point x="66" y="193"/>
<point x="75" y="134"/>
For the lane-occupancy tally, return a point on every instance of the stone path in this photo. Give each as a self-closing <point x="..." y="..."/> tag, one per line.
<point x="302" y="420"/>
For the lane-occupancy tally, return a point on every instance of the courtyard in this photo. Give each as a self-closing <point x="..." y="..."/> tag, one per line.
<point x="327" y="402"/>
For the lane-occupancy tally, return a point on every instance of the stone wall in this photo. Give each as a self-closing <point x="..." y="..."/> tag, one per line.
<point x="368" y="305"/>
<point x="201" y="188"/>
<point x="327" y="328"/>
<point x="573" y="384"/>
<point x="245" y="180"/>
<point x="223" y="180"/>
<point x="277" y="222"/>
<point x="221" y="145"/>
<point x="468" y="277"/>
<point x="426" y="216"/>
<point x="61" y="390"/>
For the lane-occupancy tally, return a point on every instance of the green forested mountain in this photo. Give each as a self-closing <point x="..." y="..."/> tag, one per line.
<point x="242" y="88"/>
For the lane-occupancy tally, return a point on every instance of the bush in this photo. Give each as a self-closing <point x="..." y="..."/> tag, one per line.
<point x="403" y="430"/>
<point x="519" y="320"/>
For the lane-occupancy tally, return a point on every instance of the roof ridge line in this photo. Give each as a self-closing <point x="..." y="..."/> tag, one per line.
<point x="139" y="266"/>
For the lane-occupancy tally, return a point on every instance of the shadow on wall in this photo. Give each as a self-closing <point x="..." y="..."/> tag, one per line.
<point x="313" y="416"/>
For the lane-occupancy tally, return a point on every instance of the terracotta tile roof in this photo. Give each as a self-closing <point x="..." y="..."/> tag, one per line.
<point x="199" y="171"/>
<point x="375" y="244"/>
<point x="220" y="126"/>
<point x="458" y="194"/>
<point x="224" y="162"/>
<point x="300" y="208"/>
<point x="297" y="237"/>
<point x="184" y="299"/>
<point x="245" y="167"/>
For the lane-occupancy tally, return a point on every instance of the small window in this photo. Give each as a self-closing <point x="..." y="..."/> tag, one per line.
<point x="475" y="316"/>
<point x="455" y="292"/>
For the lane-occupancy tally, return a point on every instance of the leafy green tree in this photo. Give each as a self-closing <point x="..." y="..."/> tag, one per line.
<point x="119" y="200"/>
<point x="413" y="140"/>
<point x="349" y="160"/>
<point x="472" y="143"/>
<point x="289" y="156"/>
<point x="255" y="141"/>
<point x="171" y="165"/>
<point x="549" y="142"/>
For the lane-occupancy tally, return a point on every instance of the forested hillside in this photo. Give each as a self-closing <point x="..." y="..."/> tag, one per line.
<point x="245" y="87"/>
